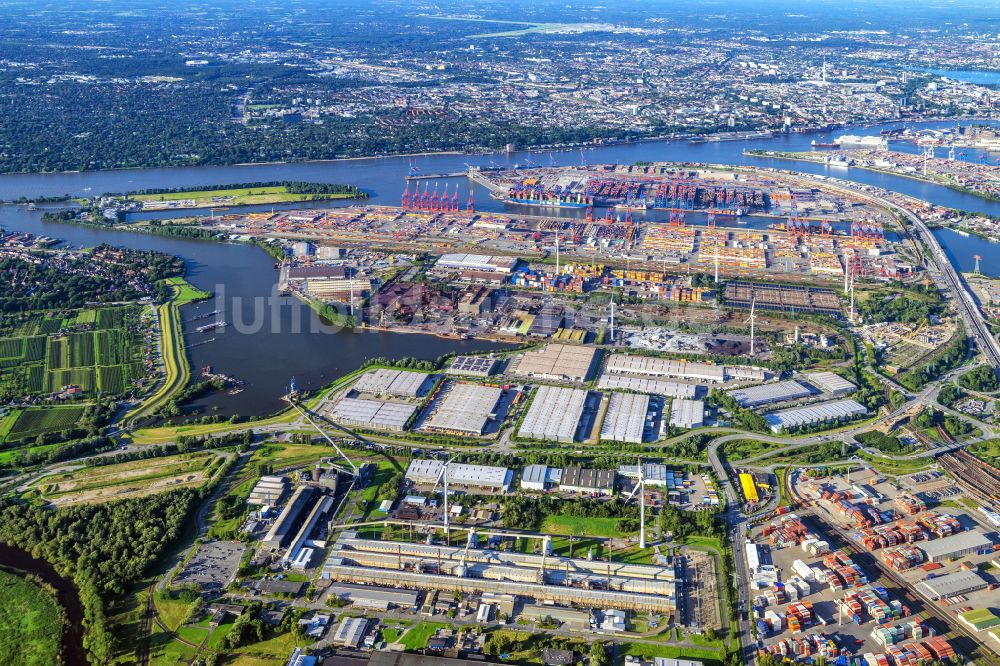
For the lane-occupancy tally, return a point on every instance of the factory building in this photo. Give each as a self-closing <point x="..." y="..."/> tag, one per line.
<point x="542" y="578"/>
<point x="299" y="555"/>
<point x="765" y="394"/>
<point x="625" y="419"/>
<point x="687" y="413"/>
<point x="472" y="366"/>
<point x="831" y="382"/>
<point x="290" y="519"/>
<point x="476" y="302"/>
<point x="659" y="368"/>
<point x="426" y="472"/>
<point x="554" y="414"/>
<point x="540" y="477"/>
<point x="953" y="584"/>
<point x="654" y="474"/>
<point x="955" y="546"/>
<point x="569" y="618"/>
<point x="829" y="412"/>
<point x="588" y="481"/>
<point x="269" y="491"/>
<point x="351" y="632"/>
<point x="394" y="383"/>
<point x="372" y="414"/>
<point x="566" y="363"/>
<point x="373" y="598"/>
<point x="664" y="387"/>
<point x="466" y="409"/>
<point x="476" y="262"/>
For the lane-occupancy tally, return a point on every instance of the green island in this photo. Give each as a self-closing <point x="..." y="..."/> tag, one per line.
<point x="240" y="194"/>
<point x="30" y="619"/>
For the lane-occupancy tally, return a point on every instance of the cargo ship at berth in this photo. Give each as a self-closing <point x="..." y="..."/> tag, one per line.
<point x="555" y="203"/>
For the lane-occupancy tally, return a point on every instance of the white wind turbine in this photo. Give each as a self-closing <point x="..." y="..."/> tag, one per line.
<point x="640" y="488"/>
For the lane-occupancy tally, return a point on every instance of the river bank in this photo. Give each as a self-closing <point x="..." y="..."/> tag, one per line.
<point x="281" y="335"/>
<point x="801" y="157"/>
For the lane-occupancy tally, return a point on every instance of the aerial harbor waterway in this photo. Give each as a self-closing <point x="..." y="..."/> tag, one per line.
<point x="274" y="338"/>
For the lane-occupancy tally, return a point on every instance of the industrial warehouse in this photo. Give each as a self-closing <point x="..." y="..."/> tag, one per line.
<point x="424" y="472"/>
<point x="469" y="569"/>
<point x="554" y="414"/>
<point x="832" y="383"/>
<point x="766" y="394"/>
<point x="625" y="418"/>
<point x="476" y="262"/>
<point x="394" y="383"/>
<point x="648" y="385"/>
<point x="827" y="412"/>
<point x="472" y="366"/>
<point x="659" y="368"/>
<point x="554" y="362"/>
<point x="373" y="414"/>
<point x="465" y="409"/>
<point x="687" y="413"/>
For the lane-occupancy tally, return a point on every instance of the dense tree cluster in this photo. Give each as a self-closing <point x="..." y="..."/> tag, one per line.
<point x="949" y="393"/>
<point x="528" y="512"/>
<point x="946" y="359"/>
<point x="982" y="378"/>
<point x="103" y="547"/>
<point x="913" y="306"/>
<point x="884" y="443"/>
<point x="951" y="424"/>
<point x="682" y="524"/>
<point x="745" y="418"/>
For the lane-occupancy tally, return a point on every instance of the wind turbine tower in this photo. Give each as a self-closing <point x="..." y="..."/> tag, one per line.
<point x="716" y="261"/>
<point x="752" y="319"/>
<point x="642" y="506"/>
<point x="852" y="299"/>
<point x="447" y="517"/>
<point x="612" y="327"/>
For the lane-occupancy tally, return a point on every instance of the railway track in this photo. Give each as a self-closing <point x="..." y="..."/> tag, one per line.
<point x="978" y="478"/>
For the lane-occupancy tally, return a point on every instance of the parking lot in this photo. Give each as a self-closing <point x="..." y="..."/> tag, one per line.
<point x="213" y="566"/>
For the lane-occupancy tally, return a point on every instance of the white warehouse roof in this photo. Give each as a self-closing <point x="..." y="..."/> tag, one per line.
<point x="768" y="393"/>
<point x="831" y="382"/>
<point x="826" y="411"/>
<point x="626" y="418"/>
<point x="554" y="414"/>
<point x="426" y="471"/>
<point x="386" y="381"/>
<point x="648" y="385"/>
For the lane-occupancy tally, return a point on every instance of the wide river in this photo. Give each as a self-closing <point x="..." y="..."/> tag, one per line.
<point x="273" y="339"/>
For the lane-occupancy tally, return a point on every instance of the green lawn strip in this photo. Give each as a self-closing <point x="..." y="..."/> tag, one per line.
<point x="193" y="634"/>
<point x="581" y="526"/>
<point x="417" y="636"/>
<point x="172" y="611"/>
<point x="278" y="646"/>
<point x="165" y="650"/>
<point x="708" y="656"/>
